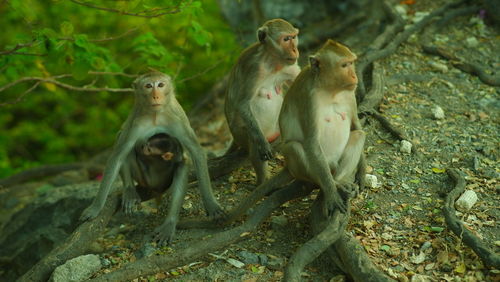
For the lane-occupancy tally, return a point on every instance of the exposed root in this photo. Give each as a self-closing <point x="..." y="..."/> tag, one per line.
<point x="488" y="257"/>
<point x="75" y="245"/>
<point x="347" y="253"/>
<point x="316" y="246"/>
<point x="154" y="264"/>
<point x="468" y="67"/>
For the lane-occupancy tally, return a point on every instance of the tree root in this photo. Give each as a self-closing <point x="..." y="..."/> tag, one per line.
<point x="346" y="252"/>
<point x="468" y="67"/>
<point x="398" y="134"/>
<point x="397" y="40"/>
<point x="75" y="245"/>
<point x="488" y="257"/>
<point x="154" y="264"/>
<point x="223" y="165"/>
<point x="316" y="246"/>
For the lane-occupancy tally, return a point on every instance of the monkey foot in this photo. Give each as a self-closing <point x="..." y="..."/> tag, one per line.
<point x="164" y="234"/>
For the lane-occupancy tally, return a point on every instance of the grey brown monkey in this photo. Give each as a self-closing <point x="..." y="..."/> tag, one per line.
<point x="155" y="111"/>
<point x="322" y="138"/>
<point x="255" y="94"/>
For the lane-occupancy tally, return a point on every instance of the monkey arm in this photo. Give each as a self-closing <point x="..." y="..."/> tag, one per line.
<point x="122" y="148"/>
<point x="188" y="139"/>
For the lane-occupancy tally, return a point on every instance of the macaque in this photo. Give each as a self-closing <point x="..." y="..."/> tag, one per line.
<point x="156" y="110"/>
<point x="255" y="91"/>
<point x="322" y="139"/>
<point x="156" y="166"/>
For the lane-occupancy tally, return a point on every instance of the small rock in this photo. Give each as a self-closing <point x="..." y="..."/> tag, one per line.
<point x="405" y="147"/>
<point x="471" y="42"/>
<point x="145" y="250"/>
<point x="425" y="246"/>
<point x="420" y="278"/>
<point x="437" y="112"/>
<point x="279" y="221"/>
<point x="439" y="67"/>
<point x="371" y="180"/>
<point x="248" y="257"/>
<point x="466" y="201"/>
<point x="187" y="205"/>
<point x="418" y="259"/>
<point x="77" y="269"/>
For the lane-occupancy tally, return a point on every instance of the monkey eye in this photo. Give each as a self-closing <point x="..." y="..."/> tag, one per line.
<point x="287" y="38"/>
<point x="161" y="84"/>
<point x="344" y="65"/>
<point x="149" y="85"/>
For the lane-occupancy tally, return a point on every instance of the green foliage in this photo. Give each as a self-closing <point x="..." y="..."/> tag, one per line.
<point x="52" y="124"/>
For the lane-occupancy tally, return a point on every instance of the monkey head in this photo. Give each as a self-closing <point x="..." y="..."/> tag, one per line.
<point x="281" y="39"/>
<point x="334" y="66"/>
<point x="162" y="145"/>
<point x="152" y="90"/>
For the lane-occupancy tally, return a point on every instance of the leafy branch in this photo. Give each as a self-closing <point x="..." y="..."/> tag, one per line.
<point x="150" y="13"/>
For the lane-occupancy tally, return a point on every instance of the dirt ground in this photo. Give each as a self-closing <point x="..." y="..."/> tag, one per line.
<point x="399" y="221"/>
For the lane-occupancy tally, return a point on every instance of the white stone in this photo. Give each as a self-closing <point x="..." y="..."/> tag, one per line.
<point x="466" y="201"/>
<point x="77" y="269"/>
<point x="439" y="66"/>
<point x="371" y="180"/>
<point x="405" y="147"/>
<point x="437" y="112"/>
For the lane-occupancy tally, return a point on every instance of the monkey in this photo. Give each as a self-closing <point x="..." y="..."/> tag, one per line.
<point x="155" y="110"/>
<point x="322" y="138"/>
<point x="255" y="91"/>
<point x="157" y="165"/>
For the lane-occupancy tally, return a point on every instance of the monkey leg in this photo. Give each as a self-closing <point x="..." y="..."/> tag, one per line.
<point x="351" y="156"/>
<point x="165" y="232"/>
<point x="130" y="198"/>
<point x="260" y="166"/>
<point x="309" y="164"/>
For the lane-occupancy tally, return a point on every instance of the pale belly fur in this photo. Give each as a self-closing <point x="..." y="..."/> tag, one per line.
<point x="266" y="107"/>
<point x="335" y="125"/>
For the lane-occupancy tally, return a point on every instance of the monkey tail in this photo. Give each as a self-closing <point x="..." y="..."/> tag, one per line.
<point x="274" y="183"/>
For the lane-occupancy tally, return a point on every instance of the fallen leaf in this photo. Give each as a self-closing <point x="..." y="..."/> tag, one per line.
<point x="442" y="257"/>
<point x="438" y="170"/>
<point x="418" y="259"/>
<point x="460" y="268"/>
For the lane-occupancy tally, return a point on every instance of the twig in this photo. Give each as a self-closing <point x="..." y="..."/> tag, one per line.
<point x="63" y="85"/>
<point x="488" y="257"/>
<point x="202" y="72"/>
<point x="17" y="47"/>
<point x="19" y="99"/>
<point x="143" y="14"/>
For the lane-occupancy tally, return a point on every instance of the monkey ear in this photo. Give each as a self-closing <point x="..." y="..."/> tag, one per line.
<point x="314" y="62"/>
<point x="261" y="34"/>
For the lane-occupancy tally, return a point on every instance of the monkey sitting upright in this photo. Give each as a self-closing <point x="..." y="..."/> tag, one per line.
<point x="254" y="96"/>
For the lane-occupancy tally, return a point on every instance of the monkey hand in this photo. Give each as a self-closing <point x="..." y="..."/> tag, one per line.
<point x="333" y="202"/>
<point x="164" y="234"/>
<point x="91" y="212"/>
<point x="265" y="151"/>
<point x="130" y="200"/>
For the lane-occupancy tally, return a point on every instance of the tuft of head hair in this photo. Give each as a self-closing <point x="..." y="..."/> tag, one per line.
<point x="150" y="75"/>
<point x="336" y="47"/>
<point x="274" y="28"/>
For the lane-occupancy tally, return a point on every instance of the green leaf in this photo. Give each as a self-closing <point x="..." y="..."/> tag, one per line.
<point x="438" y="170"/>
<point x="80" y="69"/>
<point x="66" y="28"/>
<point x="81" y="40"/>
<point x="385" y="248"/>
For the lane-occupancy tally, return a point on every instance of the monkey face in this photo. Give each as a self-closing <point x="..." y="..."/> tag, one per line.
<point x="335" y="64"/>
<point x="153" y="90"/>
<point x="289" y="43"/>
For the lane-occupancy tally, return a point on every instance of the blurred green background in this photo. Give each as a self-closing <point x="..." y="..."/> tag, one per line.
<point x="51" y="124"/>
